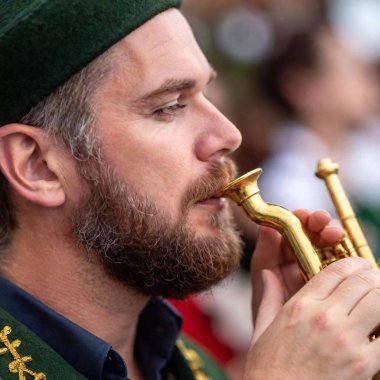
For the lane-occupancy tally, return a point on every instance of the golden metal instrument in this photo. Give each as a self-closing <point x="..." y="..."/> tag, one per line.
<point x="328" y="171"/>
<point x="245" y="192"/>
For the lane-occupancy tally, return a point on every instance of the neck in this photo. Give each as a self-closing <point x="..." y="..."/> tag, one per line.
<point x="66" y="281"/>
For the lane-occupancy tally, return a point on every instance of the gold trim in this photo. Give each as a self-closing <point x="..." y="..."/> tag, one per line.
<point x="18" y="364"/>
<point x="194" y="360"/>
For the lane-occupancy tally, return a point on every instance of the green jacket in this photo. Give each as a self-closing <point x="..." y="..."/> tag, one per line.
<point x="24" y="356"/>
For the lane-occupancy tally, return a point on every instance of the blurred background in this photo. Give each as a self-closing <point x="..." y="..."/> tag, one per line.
<point x="301" y="80"/>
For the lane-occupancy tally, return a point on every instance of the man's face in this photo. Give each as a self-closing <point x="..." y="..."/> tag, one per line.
<point x="157" y="128"/>
<point x="163" y="145"/>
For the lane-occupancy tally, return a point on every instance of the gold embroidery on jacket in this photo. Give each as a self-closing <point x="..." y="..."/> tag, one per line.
<point x="194" y="360"/>
<point x="18" y="365"/>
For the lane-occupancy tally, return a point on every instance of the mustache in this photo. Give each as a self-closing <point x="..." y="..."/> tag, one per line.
<point x="207" y="186"/>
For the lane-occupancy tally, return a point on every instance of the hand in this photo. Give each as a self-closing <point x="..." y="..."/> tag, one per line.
<point x="273" y="254"/>
<point x="322" y="331"/>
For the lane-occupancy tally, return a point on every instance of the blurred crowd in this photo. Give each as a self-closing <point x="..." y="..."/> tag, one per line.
<point x="301" y="80"/>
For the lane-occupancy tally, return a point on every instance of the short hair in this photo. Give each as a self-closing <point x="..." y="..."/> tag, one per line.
<point x="68" y="116"/>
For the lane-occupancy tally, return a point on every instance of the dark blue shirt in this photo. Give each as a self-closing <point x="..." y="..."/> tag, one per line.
<point x="157" y="331"/>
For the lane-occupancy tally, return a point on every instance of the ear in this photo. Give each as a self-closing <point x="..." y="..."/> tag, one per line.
<point x="30" y="163"/>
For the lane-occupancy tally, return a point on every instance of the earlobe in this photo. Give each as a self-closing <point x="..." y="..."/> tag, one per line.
<point x="28" y="163"/>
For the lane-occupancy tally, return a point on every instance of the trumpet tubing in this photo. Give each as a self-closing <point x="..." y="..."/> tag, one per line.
<point x="328" y="171"/>
<point x="245" y="192"/>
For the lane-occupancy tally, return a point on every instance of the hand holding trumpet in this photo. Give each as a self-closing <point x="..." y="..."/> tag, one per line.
<point x="327" y="329"/>
<point x="322" y="331"/>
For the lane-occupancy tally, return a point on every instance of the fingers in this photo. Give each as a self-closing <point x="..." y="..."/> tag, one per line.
<point x="271" y="304"/>
<point x="313" y="221"/>
<point x="325" y="283"/>
<point x="366" y="315"/>
<point x="271" y="252"/>
<point x="292" y="278"/>
<point x="331" y="234"/>
<point x="267" y="250"/>
<point x="322" y="230"/>
<point x="353" y="291"/>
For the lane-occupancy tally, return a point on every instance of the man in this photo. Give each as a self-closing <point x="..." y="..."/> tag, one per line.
<point x="108" y="203"/>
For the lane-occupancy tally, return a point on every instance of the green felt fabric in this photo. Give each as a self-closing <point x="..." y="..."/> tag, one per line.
<point x="44" y="359"/>
<point x="45" y="42"/>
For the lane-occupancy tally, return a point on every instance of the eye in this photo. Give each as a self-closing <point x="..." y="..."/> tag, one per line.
<point x="169" y="109"/>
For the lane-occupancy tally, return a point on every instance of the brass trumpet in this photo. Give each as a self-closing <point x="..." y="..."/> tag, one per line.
<point x="245" y="192"/>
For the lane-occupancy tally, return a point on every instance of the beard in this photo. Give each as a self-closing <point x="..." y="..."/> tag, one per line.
<point x="137" y="244"/>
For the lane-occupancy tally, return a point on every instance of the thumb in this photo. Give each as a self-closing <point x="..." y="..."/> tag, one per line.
<point x="272" y="301"/>
<point x="268" y="240"/>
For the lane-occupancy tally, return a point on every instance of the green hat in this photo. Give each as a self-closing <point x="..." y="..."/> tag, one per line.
<point x="45" y="42"/>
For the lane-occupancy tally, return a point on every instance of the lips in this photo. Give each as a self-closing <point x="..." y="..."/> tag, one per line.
<point x="206" y="190"/>
<point x="215" y="203"/>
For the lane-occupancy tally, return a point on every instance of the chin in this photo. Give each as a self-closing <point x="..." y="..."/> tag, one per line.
<point x="206" y="223"/>
<point x="206" y="231"/>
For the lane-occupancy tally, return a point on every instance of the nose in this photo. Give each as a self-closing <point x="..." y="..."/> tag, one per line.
<point x="218" y="137"/>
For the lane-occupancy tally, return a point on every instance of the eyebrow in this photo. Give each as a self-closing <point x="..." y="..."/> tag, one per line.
<point x="171" y="86"/>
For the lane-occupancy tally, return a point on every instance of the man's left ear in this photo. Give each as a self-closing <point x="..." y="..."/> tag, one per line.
<point x="30" y="162"/>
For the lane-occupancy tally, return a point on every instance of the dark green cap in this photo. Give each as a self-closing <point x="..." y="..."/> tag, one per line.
<point x="45" y="42"/>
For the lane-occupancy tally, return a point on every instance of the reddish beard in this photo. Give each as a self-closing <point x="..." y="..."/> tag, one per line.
<point x="135" y="243"/>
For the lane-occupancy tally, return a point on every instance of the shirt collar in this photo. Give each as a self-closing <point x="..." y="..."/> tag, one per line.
<point x="158" y="329"/>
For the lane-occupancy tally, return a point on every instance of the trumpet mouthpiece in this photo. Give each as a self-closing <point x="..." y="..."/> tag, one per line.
<point x="243" y="187"/>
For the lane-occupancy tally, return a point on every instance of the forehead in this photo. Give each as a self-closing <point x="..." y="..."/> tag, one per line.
<point x="161" y="49"/>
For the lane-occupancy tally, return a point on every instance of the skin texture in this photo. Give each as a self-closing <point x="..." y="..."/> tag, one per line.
<point x="137" y="243"/>
<point x="198" y="134"/>
<point x="330" y="317"/>
<point x="173" y="146"/>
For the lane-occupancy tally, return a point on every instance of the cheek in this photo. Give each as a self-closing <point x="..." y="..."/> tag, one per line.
<point x="161" y="170"/>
